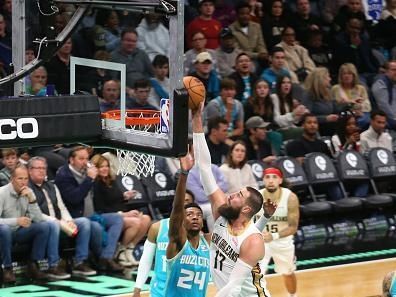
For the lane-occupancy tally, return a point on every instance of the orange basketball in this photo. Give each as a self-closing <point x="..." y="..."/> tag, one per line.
<point x="196" y="91"/>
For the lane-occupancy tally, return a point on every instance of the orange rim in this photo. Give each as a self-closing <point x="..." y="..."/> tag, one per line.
<point x="134" y="117"/>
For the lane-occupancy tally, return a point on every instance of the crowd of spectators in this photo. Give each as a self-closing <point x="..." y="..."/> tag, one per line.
<point x="279" y="77"/>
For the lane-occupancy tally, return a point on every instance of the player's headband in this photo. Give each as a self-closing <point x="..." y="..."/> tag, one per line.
<point x="273" y="170"/>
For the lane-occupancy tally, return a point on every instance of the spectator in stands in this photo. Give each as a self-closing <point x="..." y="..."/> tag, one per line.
<point x="37" y="85"/>
<point x="376" y="135"/>
<point x="304" y="21"/>
<point x="204" y="72"/>
<point x="349" y="91"/>
<point x="318" y="51"/>
<point x="278" y="67"/>
<point x="384" y="93"/>
<point x="58" y="68"/>
<point x="273" y="23"/>
<point x="257" y="145"/>
<point x="194" y="185"/>
<point x="386" y="27"/>
<point x="353" y="46"/>
<point x="30" y="54"/>
<point x="5" y="44"/>
<point x="21" y="221"/>
<point x="319" y="100"/>
<point x="109" y="198"/>
<point x="352" y="9"/>
<point x="310" y="143"/>
<point x="138" y="64"/>
<point x="297" y="57"/>
<point x="160" y="81"/>
<point x="106" y="31"/>
<point x="243" y="77"/>
<point x="153" y="36"/>
<point x="75" y="181"/>
<point x="205" y="23"/>
<point x="347" y="136"/>
<point x="224" y="12"/>
<point x="228" y="107"/>
<point x="110" y="96"/>
<point x="141" y="90"/>
<point x="260" y="104"/>
<point x="198" y="42"/>
<point x="10" y="161"/>
<point x="288" y="111"/>
<point x="227" y="52"/>
<point x="54" y="211"/>
<point x="91" y="79"/>
<point x="331" y="8"/>
<point x="217" y="140"/>
<point x="249" y="36"/>
<point x="236" y="170"/>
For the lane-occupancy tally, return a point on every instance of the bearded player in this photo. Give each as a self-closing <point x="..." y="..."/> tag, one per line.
<point x="237" y="245"/>
<point x="279" y="230"/>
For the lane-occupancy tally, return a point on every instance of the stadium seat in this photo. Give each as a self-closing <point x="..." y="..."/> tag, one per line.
<point x="321" y="171"/>
<point x="161" y="189"/>
<point x="297" y="180"/>
<point x="352" y="169"/>
<point x="258" y="167"/>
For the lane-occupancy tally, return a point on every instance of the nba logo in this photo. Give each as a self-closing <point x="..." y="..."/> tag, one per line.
<point x="164" y="112"/>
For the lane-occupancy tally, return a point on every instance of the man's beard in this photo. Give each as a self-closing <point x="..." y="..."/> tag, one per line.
<point x="228" y="212"/>
<point x="272" y="190"/>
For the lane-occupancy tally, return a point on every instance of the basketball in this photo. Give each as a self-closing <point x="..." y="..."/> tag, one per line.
<point x="196" y="91"/>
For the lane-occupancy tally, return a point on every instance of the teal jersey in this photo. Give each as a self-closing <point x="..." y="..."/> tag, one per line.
<point x="189" y="271"/>
<point x="158" y="282"/>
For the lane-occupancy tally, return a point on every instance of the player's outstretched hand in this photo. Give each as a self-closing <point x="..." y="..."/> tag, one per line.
<point x="269" y="208"/>
<point x="186" y="162"/>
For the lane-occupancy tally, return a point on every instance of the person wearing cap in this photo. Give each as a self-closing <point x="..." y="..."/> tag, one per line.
<point x="227" y="107"/>
<point x="227" y="52"/>
<point x="205" y="23"/>
<point x="257" y="145"/>
<point x="280" y="228"/>
<point x="204" y="71"/>
<point x="198" y="46"/>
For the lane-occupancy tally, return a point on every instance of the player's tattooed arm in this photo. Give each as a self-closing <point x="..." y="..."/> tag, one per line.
<point x="293" y="217"/>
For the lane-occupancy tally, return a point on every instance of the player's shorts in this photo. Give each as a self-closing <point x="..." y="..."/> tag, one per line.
<point x="283" y="256"/>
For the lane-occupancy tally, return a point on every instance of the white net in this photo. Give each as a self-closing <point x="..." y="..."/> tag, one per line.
<point x="138" y="164"/>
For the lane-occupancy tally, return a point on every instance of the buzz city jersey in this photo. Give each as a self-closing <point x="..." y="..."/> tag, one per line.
<point x="224" y="252"/>
<point x="158" y="282"/>
<point x="278" y="220"/>
<point x="188" y="272"/>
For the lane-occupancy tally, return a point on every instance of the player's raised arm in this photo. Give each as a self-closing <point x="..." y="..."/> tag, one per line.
<point x="177" y="233"/>
<point x="203" y="162"/>
<point x="252" y="251"/>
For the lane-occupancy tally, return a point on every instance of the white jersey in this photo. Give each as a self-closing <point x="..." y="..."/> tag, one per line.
<point x="224" y="252"/>
<point x="278" y="220"/>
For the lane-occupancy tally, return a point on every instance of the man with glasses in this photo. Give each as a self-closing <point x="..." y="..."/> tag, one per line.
<point x="237" y="246"/>
<point x="55" y="212"/>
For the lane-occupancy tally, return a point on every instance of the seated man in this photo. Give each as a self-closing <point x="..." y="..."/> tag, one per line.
<point x="55" y="212"/>
<point x="217" y="140"/>
<point x="110" y="96"/>
<point x="75" y="182"/>
<point x="21" y="221"/>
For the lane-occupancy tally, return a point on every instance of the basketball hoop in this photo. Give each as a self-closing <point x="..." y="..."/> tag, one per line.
<point x="140" y="122"/>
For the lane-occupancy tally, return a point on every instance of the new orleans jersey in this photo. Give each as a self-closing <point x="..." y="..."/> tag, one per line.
<point x="224" y="252"/>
